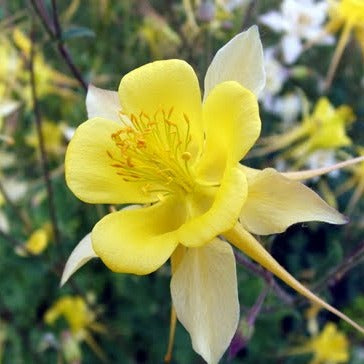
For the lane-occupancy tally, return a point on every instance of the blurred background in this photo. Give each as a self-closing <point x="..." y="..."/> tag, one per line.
<point x="312" y="112"/>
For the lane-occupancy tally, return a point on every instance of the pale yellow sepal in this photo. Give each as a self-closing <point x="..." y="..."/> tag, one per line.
<point x="244" y="241"/>
<point x="205" y="296"/>
<point x="240" y="60"/>
<point x="275" y="202"/>
<point x="102" y="103"/>
<point x="79" y="257"/>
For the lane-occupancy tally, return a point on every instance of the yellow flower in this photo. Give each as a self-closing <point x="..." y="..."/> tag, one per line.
<point x="156" y="145"/>
<point x="81" y="321"/>
<point x="36" y="243"/>
<point x="349" y="15"/>
<point x="323" y="129"/>
<point x="330" y="347"/>
<point x="74" y="310"/>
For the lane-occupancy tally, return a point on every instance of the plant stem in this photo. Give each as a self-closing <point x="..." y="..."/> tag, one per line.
<point x="55" y="32"/>
<point x="22" y="215"/>
<point x="266" y="275"/>
<point x="9" y="238"/>
<point x="43" y="152"/>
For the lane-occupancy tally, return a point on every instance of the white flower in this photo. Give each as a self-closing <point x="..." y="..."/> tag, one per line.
<point x="276" y="75"/>
<point x="299" y="20"/>
<point x="288" y="107"/>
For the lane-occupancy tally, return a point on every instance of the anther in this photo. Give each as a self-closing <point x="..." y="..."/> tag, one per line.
<point x="186" y="156"/>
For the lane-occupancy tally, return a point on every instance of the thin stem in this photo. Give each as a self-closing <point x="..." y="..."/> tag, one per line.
<point x="41" y="12"/>
<point x="247" y="19"/>
<point x="337" y="55"/>
<point x="256" y="308"/>
<point x="9" y="238"/>
<point x="43" y="152"/>
<point x="353" y="259"/>
<point x="55" y="33"/>
<point x="21" y="214"/>
<point x="266" y="275"/>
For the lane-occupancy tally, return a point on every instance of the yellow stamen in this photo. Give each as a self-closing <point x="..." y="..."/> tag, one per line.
<point x="152" y="150"/>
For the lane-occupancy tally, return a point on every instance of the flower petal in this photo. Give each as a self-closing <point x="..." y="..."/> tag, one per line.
<point x="292" y="48"/>
<point x="205" y="296"/>
<point x="232" y="125"/>
<point x="79" y="257"/>
<point x="221" y="216"/>
<point x="274" y="20"/>
<point x="275" y="202"/>
<point x="240" y="60"/>
<point x="164" y="86"/>
<point x="102" y="103"/>
<point x="89" y="171"/>
<point x="139" y="241"/>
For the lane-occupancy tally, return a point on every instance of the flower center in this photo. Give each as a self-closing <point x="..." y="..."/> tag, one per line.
<point x="155" y="150"/>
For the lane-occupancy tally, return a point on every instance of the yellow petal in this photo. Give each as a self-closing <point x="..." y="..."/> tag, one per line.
<point x="163" y="86"/>
<point x="102" y="103"/>
<point x="232" y="125"/>
<point x="275" y="202"/>
<point x="139" y="241"/>
<point x="244" y="241"/>
<point x="82" y="253"/>
<point x="205" y="296"/>
<point x="89" y="171"/>
<point x="240" y="60"/>
<point x="221" y="216"/>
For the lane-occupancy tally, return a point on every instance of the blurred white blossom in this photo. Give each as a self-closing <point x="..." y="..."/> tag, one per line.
<point x="299" y="20"/>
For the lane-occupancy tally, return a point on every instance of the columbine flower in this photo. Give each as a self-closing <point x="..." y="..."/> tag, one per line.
<point x="348" y="15"/>
<point x="329" y="347"/>
<point x="323" y="129"/>
<point x="37" y="242"/>
<point x="81" y="321"/>
<point x="299" y="20"/>
<point x="155" y="144"/>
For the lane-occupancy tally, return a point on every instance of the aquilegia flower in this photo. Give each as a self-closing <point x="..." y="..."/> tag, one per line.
<point x="156" y="145"/>
<point x="298" y="20"/>
<point x="323" y="129"/>
<point x="330" y="346"/>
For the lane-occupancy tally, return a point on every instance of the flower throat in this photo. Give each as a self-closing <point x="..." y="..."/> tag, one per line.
<point x="154" y="150"/>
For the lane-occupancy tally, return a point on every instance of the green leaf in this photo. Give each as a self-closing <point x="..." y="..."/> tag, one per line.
<point x="77" y="32"/>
